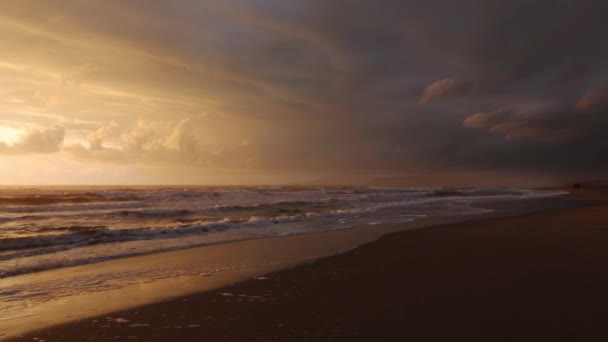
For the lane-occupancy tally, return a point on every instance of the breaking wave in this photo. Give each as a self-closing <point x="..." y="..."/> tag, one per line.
<point x="49" y="199"/>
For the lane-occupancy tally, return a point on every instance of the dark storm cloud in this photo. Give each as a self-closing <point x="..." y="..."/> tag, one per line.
<point x="536" y="66"/>
<point x="520" y="40"/>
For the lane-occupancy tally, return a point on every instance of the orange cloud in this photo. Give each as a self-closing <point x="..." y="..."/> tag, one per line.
<point x="541" y="120"/>
<point x="594" y="99"/>
<point x="47" y="140"/>
<point x="448" y="87"/>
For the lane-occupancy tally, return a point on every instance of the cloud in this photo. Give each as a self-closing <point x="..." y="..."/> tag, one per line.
<point x="523" y="41"/>
<point x="445" y="88"/>
<point x="306" y="87"/>
<point x="537" y="120"/>
<point x="488" y="119"/>
<point x="96" y="139"/>
<point x="47" y="140"/>
<point x="595" y="99"/>
<point x="186" y="143"/>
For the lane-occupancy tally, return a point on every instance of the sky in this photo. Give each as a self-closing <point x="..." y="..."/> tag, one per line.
<point x="302" y="91"/>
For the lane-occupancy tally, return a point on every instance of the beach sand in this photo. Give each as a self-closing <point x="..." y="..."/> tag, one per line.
<point x="540" y="276"/>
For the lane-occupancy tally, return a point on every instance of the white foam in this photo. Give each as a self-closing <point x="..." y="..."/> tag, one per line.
<point x="139" y="325"/>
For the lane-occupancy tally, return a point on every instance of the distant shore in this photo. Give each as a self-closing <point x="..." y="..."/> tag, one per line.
<point x="535" y="276"/>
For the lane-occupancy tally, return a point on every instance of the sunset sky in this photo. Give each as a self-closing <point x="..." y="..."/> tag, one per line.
<point x="283" y="91"/>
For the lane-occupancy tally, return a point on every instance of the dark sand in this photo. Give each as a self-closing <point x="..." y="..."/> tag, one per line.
<point x="535" y="277"/>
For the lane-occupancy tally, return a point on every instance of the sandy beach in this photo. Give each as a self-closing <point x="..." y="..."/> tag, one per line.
<point x="535" y="276"/>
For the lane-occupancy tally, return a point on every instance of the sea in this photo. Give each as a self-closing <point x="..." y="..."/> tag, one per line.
<point x="51" y="228"/>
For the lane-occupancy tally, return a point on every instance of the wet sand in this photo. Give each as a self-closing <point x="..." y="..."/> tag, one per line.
<point x="536" y="276"/>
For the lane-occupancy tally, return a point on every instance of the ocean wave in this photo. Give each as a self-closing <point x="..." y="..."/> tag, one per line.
<point x="65" y="207"/>
<point x="152" y="213"/>
<point x="476" y="192"/>
<point x="49" y="199"/>
<point x="79" y="235"/>
<point x="86" y="235"/>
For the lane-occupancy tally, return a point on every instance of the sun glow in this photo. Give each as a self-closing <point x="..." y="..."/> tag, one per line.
<point x="9" y="135"/>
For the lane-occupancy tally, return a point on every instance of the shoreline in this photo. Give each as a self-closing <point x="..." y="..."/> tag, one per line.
<point x="197" y="289"/>
<point x="292" y="251"/>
